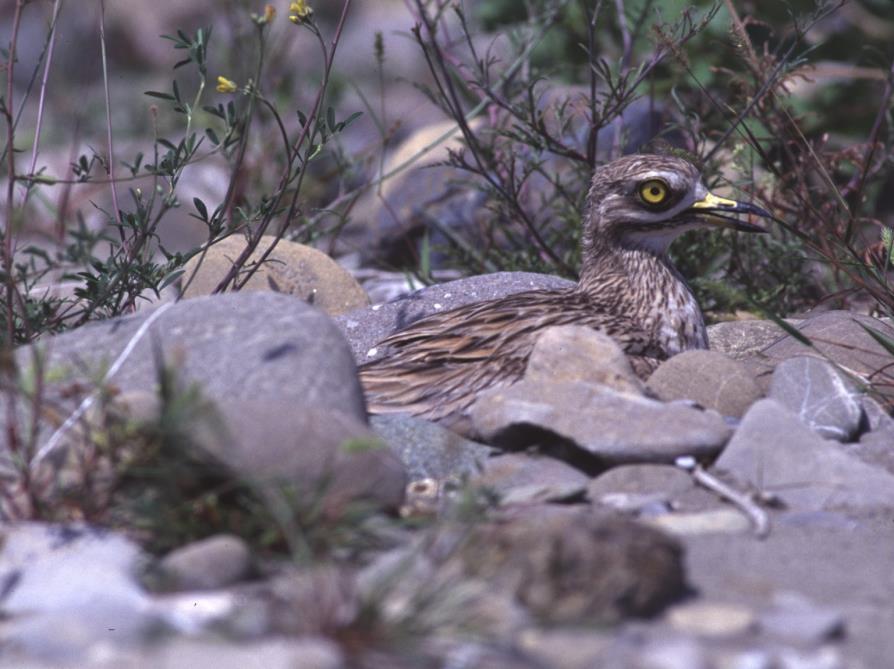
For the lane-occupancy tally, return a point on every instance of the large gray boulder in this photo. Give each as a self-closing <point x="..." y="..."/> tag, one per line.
<point x="616" y="428"/>
<point x="774" y="451"/>
<point x="258" y="346"/>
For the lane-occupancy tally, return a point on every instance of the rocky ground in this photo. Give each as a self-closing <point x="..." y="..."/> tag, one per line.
<point x="734" y="511"/>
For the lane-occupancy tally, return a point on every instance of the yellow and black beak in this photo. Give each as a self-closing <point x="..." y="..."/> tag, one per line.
<point x="720" y="208"/>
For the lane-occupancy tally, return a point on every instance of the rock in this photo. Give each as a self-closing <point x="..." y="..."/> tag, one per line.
<point x="395" y="217"/>
<point x="291" y="269"/>
<point x="875" y="448"/>
<point x="303" y="652"/>
<point x="642" y="504"/>
<point x="742" y="339"/>
<point x="794" y="619"/>
<point x="665" y="480"/>
<point x="877" y="417"/>
<point x="748" y="659"/>
<point x="68" y="587"/>
<point x="612" y="427"/>
<point x="716" y="521"/>
<point x="520" y="478"/>
<point x="566" y="648"/>
<point x="709" y="378"/>
<point x="472" y="654"/>
<point x="821" y="397"/>
<point x="876" y="445"/>
<point x="257" y="346"/>
<point x="580" y="353"/>
<point x="711" y="619"/>
<point x="194" y="612"/>
<point x="568" y="567"/>
<point x="211" y="563"/>
<point x="837" y="336"/>
<point x="826" y="657"/>
<point x="674" y="653"/>
<point x="773" y="450"/>
<point x="329" y="456"/>
<point x="428" y="450"/>
<point x="364" y="328"/>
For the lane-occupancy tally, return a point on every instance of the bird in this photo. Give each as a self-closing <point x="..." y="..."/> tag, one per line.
<point x="437" y="367"/>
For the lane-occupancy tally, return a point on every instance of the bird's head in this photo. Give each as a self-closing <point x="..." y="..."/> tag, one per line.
<point x="646" y="201"/>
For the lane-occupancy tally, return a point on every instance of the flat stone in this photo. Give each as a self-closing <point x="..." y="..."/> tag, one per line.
<point x="569" y="567"/>
<point x="566" y="648"/>
<point x="580" y="353"/>
<point x="329" y="456"/>
<point x="665" y="480"/>
<point x="531" y="477"/>
<point x="822" y="398"/>
<point x="711" y="619"/>
<point x="675" y="653"/>
<point x="837" y="336"/>
<point x="254" y="346"/>
<point x="795" y="619"/>
<point x="66" y="587"/>
<point x="742" y="339"/>
<point x="210" y="563"/>
<point x="826" y="657"/>
<point x="291" y="268"/>
<point x="774" y="451"/>
<point x="636" y="503"/>
<point x="283" y="653"/>
<point x="428" y="450"/>
<point x="614" y="428"/>
<point x="876" y="445"/>
<point x="875" y="448"/>
<point x="365" y="328"/>
<point x="877" y="416"/>
<point x="714" y="521"/>
<point x="709" y="378"/>
<point x="392" y="217"/>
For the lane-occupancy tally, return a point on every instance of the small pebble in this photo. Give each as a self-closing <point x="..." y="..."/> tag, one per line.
<point x="706" y="522"/>
<point x="711" y="619"/>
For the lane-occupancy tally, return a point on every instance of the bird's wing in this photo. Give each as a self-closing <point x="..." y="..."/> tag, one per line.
<point x="437" y="366"/>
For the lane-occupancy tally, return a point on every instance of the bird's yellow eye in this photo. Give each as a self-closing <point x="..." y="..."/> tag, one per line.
<point x="654" y="191"/>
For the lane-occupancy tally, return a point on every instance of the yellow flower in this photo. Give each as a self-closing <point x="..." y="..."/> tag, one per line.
<point x="299" y="11"/>
<point x="269" y="13"/>
<point x="225" y="85"/>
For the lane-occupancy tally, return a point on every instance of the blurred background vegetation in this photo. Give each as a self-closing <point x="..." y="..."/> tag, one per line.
<point x="785" y="102"/>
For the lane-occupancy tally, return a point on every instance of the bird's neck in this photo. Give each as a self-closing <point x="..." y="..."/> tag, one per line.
<point x="642" y="283"/>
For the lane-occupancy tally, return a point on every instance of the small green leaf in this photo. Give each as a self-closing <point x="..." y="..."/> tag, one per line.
<point x="171" y="278"/>
<point x="201" y="208"/>
<point x="158" y="94"/>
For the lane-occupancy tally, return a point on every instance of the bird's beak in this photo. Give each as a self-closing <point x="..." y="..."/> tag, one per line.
<point x="719" y="208"/>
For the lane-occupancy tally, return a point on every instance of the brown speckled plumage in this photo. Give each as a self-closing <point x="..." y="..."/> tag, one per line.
<point x="628" y="289"/>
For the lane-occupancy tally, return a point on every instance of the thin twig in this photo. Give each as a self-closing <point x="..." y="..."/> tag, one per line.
<point x="43" y="87"/>
<point x="743" y="501"/>
<point x="110" y="166"/>
<point x="255" y="239"/>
